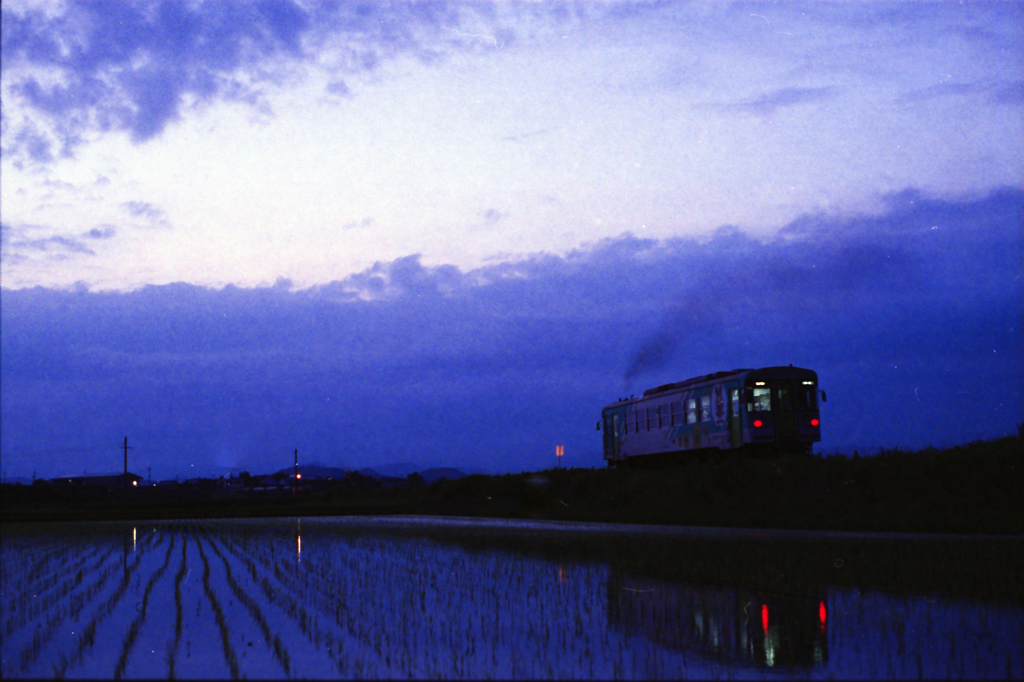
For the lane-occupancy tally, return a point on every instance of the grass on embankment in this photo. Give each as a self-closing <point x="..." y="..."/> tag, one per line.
<point x="974" y="488"/>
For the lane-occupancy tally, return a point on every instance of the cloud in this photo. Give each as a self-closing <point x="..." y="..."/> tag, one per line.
<point x="121" y="66"/>
<point x="339" y="88"/>
<point x="1010" y="93"/>
<point x="487" y="368"/>
<point x="769" y="102"/>
<point x="943" y="90"/>
<point x="22" y="243"/>
<point x="357" y="224"/>
<point x="492" y="216"/>
<point x="18" y="244"/>
<point x="102" y="232"/>
<point x="146" y="210"/>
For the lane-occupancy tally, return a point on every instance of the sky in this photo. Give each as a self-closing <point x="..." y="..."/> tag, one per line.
<point x="450" y="233"/>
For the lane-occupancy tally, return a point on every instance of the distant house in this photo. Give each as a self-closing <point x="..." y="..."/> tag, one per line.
<point x="99" y="480"/>
<point x="267" y="483"/>
<point x="231" y="483"/>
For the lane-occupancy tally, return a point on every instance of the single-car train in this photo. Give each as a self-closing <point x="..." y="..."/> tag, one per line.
<point x="756" y="411"/>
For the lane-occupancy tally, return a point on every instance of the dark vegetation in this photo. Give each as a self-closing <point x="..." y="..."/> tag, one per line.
<point x="974" y="488"/>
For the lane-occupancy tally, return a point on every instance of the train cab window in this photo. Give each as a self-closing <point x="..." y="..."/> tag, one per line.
<point x="785" y="396"/>
<point x="691" y="410"/>
<point x="705" y="408"/>
<point x="677" y="413"/>
<point x="762" y="400"/>
<point x="735" y="402"/>
<point x="807" y="399"/>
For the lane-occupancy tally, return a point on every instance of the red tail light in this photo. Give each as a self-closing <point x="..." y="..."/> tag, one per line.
<point x="758" y="423"/>
<point x="764" y="617"/>
<point x="814" y="422"/>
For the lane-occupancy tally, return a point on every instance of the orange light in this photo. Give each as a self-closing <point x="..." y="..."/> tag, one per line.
<point x="298" y="475"/>
<point x="135" y="482"/>
<point x="758" y="423"/>
<point x="814" y="422"/>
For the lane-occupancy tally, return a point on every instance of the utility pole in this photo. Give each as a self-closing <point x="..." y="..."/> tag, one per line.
<point x="126" y="449"/>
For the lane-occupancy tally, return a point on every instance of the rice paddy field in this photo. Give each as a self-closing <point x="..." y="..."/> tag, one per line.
<point x="405" y="597"/>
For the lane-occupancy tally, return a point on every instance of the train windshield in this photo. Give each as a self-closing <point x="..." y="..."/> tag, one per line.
<point x="762" y="400"/>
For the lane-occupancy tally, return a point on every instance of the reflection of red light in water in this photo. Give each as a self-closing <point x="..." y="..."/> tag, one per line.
<point x="561" y="574"/>
<point x="821" y="615"/>
<point x="764" y="617"/>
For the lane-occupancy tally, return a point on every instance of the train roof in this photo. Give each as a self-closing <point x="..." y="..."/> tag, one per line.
<point x="715" y="376"/>
<point x="695" y="380"/>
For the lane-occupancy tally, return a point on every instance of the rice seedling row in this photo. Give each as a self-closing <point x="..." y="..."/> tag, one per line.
<point x="416" y="627"/>
<point x="52" y="615"/>
<point x="29" y="600"/>
<point x="136" y="625"/>
<point x="25" y="583"/>
<point x="311" y="644"/>
<point x="107" y="617"/>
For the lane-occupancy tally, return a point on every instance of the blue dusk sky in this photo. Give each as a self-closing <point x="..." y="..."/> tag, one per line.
<point x="450" y="233"/>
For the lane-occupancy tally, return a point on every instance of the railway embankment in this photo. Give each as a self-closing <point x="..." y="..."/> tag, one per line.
<point x="973" y="488"/>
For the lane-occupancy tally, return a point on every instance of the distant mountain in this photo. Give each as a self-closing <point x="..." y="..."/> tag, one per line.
<point x="394" y="469"/>
<point x="402" y="469"/>
<point x="314" y="471"/>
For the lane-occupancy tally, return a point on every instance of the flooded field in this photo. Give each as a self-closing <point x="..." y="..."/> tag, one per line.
<point x="460" y="598"/>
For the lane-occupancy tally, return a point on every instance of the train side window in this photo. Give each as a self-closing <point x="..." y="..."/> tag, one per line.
<point x="640" y="416"/>
<point x="691" y="410"/>
<point x="650" y="413"/>
<point x="808" y="399"/>
<point x="705" y="408"/>
<point x="735" y="402"/>
<point x="762" y="400"/>
<point x="677" y="413"/>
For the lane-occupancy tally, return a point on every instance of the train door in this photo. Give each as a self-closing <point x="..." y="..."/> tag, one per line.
<point x="611" y="437"/>
<point x="786" y="421"/>
<point x="735" y="426"/>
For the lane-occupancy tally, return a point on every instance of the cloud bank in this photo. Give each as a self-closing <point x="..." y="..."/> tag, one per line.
<point x="912" y="319"/>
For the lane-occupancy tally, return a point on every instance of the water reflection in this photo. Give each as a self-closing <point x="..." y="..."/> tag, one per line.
<point x="727" y="625"/>
<point x="364" y="598"/>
